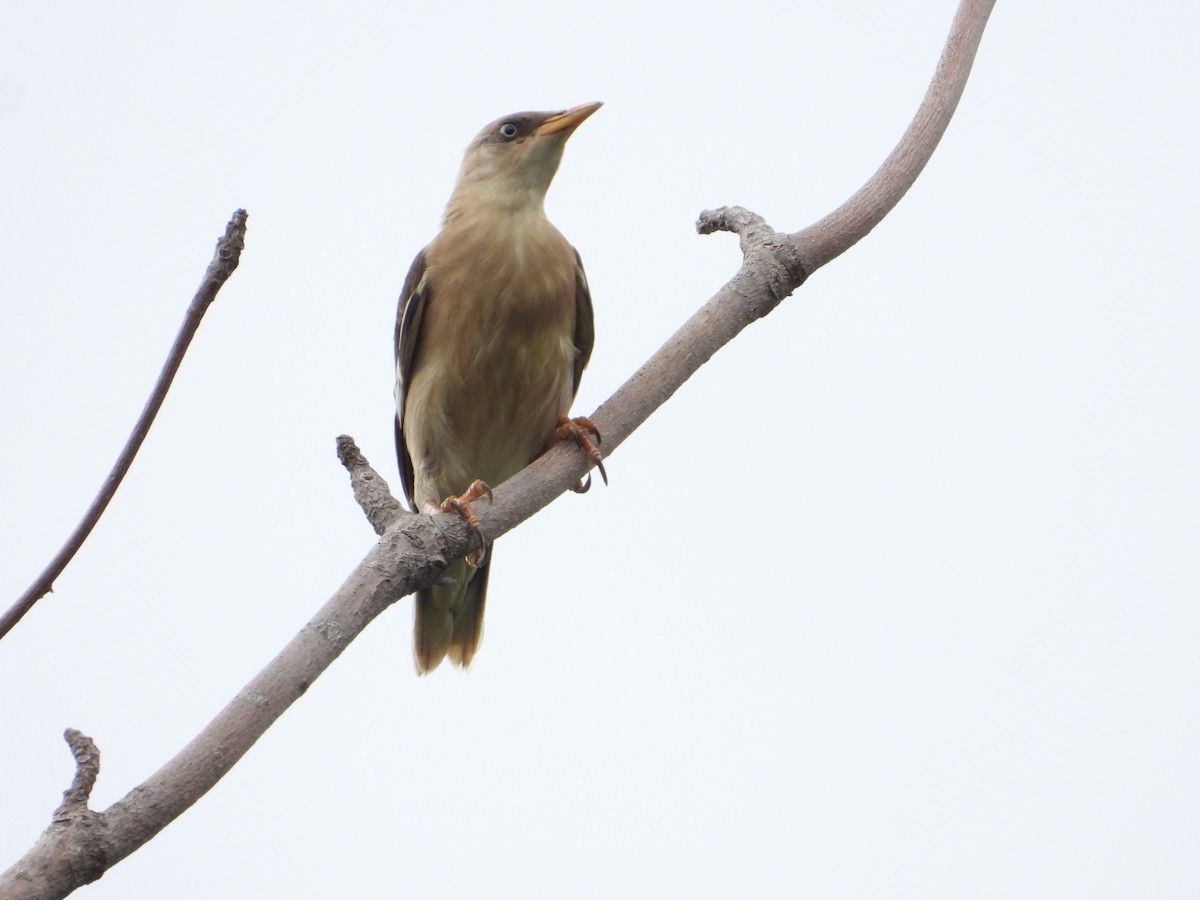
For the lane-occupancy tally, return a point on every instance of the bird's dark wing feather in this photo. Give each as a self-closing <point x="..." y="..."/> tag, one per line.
<point x="585" y="329"/>
<point x="409" y="316"/>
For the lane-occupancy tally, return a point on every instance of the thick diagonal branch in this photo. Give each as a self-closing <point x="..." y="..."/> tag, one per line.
<point x="414" y="549"/>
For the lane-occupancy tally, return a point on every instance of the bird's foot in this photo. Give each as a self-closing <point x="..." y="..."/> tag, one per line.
<point x="580" y="430"/>
<point x="462" y="505"/>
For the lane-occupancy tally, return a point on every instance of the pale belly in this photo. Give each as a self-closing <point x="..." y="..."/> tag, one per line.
<point x="487" y="410"/>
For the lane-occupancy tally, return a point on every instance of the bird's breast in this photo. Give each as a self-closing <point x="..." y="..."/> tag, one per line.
<point x="496" y="358"/>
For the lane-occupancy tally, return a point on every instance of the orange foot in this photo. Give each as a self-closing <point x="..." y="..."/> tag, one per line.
<point x="462" y="506"/>
<point x="578" y="430"/>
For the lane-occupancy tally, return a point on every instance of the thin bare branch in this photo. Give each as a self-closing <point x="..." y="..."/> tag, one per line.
<point x="224" y="261"/>
<point x="414" y="549"/>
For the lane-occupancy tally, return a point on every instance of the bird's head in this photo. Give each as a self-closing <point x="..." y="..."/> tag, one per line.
<point x="511" y="163"/>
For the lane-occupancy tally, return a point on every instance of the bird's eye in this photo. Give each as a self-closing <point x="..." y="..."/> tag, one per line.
<point x="508" y="131"/>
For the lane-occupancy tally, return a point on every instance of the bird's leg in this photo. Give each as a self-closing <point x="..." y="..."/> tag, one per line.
<point x="462" y="505"/>
<point x="578" y="430"/>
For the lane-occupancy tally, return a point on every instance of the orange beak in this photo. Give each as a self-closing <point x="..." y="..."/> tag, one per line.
<point x="567" y="121"/>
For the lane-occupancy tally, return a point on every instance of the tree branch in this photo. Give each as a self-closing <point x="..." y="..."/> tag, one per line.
<point x="414" y="549"/>
<point x="225" y="260"/>
<point x="370" y="490"/>
<point x="853" y="220"/>
<point x="71" y="852"/>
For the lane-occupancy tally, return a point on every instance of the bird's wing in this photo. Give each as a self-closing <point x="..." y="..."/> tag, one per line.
<point x="409" y="315"/>
<point x="585" y="329"/>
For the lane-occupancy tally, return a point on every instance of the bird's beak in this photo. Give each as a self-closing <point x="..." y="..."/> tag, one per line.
<point x="567" y="121"/>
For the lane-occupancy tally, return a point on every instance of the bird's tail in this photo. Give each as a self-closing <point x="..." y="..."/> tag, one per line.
<point x="448" y="617"/>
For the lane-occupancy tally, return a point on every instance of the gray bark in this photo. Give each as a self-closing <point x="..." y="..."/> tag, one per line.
<point x="80" y="844"/>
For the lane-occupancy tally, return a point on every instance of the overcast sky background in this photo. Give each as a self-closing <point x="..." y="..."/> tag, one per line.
<point x="896" y="598"/>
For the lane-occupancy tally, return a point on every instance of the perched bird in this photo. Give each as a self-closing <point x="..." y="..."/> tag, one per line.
<point x="492" y="335"/>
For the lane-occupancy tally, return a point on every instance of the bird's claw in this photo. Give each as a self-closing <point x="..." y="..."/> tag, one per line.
<point x="578" y="429"/>
<point x="462" y="506"/>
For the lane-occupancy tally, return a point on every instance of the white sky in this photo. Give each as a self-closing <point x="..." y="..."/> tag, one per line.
<point x="896" y="598"/>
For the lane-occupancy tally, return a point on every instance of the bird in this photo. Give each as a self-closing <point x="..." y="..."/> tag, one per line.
<point x="493" y="331"/>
